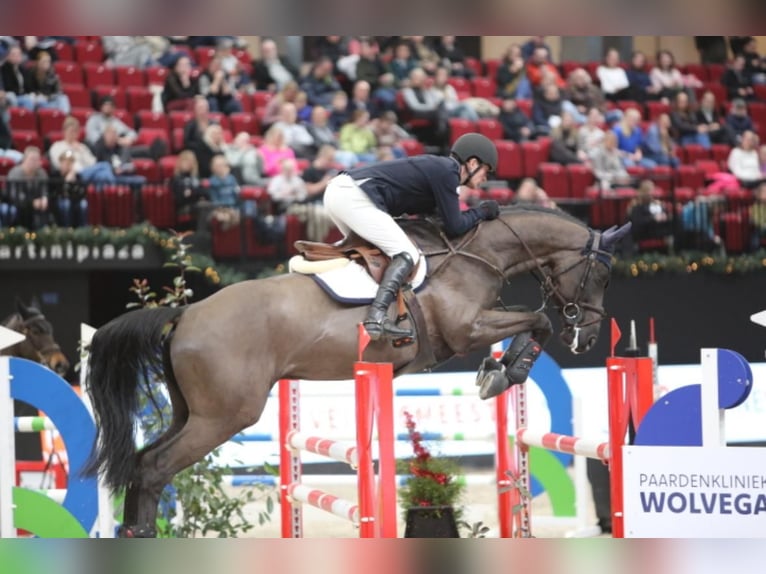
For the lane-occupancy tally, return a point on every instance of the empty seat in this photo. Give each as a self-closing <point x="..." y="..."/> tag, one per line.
<point x="493" y="129"/>
<point x="130" y="76"/>
<point x="509" y="162"/>
<point x="554" y="180"/>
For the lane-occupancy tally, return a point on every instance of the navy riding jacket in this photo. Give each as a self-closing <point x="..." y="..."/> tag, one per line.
<point x="419" y="185"/>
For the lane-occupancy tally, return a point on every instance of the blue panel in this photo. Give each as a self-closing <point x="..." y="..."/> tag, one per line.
<point x="735" y="379"/>
<point x="674" y="420"/>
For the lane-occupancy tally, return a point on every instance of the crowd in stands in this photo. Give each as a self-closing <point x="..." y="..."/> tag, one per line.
<point x="197" y="124"/>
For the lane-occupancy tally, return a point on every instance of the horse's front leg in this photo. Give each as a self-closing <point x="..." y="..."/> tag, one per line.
<point x="530" y="332"/>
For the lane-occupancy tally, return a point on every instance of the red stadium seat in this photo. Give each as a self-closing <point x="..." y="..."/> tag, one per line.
<point x="492" y="66"/>
<point x="139" y="99"/>
<point x="459" y="127"/>
<point x="656" y="109"/>
<point x="525" y="106"/>
<point x="125" y="117"/>
<point x="95" y="205"/>
<point x="117" y="94"/>
<point x="82" y="114"/>
<point x="156" y="75"/>
<point x="147" y="135"/>
<point x="98" y="75"/>
<point x="554" y="180"/>
<point x="242" y="122"/>
<point x="20" y="139"/>
<point x="150" y="119"/>
<point x="69" y="73"/>
<point x="130" y="76"/>
<point x="158" y="206"/>
<point x="261" y="98"/>
<point x="483" y="87"/>
<point x="89" y="52"/>
<point x="460" y="84"/>
<point x="6" y="165"/>
<point x="695" y="152"/>
<point x="79" y="96"/>
<point x="412" y="147"/>
<point x="64" y="51"/>
<point x="167" y="166"/>
<point x="690" y="176"/>
<point x="533" y="154"/>
<point x="493" y="129"/>
<point x="148" y="168"/>
<point x="715" y="72"/>
<point x="119" y="206"/>
<point x="700" y="71"/>
<point x="509" y="164"/>
<point x="49" y="120"/>
<point x="720" y="152"/>
<point x="203" y="55"/>
<point x="580" y="179"/>
<point x="475" y="65"/>
<point x="179" y="119"/>
<point x="178" y="140"/>
<point x="22" y="119"/>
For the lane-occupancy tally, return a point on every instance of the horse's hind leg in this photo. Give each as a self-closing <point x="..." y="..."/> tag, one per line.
<point x="162" y="462"/>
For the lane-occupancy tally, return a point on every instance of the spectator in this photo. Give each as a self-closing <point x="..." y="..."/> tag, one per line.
<point x="272" y="72"/>
<point x="27" y="193"/>
<point x="339" y="111"/>
<point x="323" y="135"/>
<point x="195" y="127"/>
<point x="317" y="175"/>
<point x="648" y="215"/>
<point x="288" y="93"/>
<point x="222" y="188"/>
<point x="44" y="87"/>
<point x="245" y="161"/>
<point x="583" y="94"/>
<point x="180" y="87"/>
<point x="452" y="104"/>
<point x="738" y="119"/>
<point x="534" y="44"/>
<point x="668" y="80"/>
<point x="427" y="57"/>
<point x="108" y="149"/>
<point x="607" y="164"/>
<point x="564" y="148"/>
<point x="357" y="137"/>
<point x="590" y="136"/>
<point x="547" y="109"/>
<point x="369" y="67"/>
<point x="516" y="125"/>
<point x="273" y="150"/>
<point x="686" y="128"/>
<point x="532" y="194"/>
<point x="68" y="192"/>
<point x="640" y="85"/>
<point x="332" y="48"/>
<point x="385" y="94"/>
<point x="755" y="65"/>
<point x="138" y="51"/>
<point x="697" y="223"/>
<point x="658" y="144"/>
<point x="390" y="134"/>
<point x="630" y="140"/>
<point x="712" y="49"/>
<point x="320" y="85"/>
<point x="6" y="140"/>
<point x="360" y="98"/>
<point x="757" y="213"/>
<point x="425" y="103"/>
<point x="210" y="145"/>
<point x="83" y="161"/>
<point x="613" y="78"/>
<point x="219" y="88"/>
<point x="402" y="64"/>
<point x="453" y="57"/>
<point x="538" y="69"/>
<point x="186" y="189"/>
<point x="286" y="187"/>
<point x="296" y="135"/>
<point x="310" y="210"/>
<point x="14" y="78"/>
<point x="707" y="114"/>
<point x="745" y="162"/>
<point x="738" y="83"/>
<point x="511" y="76"/>
<point x="97" y="123"/>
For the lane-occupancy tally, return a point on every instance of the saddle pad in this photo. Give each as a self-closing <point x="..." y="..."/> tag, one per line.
<point x="351" y="284"/>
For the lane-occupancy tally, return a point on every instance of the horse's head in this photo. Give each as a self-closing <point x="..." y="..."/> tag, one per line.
<point x="576" y="287"/>
<point x="39" y="345"/>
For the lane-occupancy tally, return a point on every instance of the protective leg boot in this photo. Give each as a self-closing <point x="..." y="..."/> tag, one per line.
<point x="520" y="357"/>
<point x="377" y="322"/>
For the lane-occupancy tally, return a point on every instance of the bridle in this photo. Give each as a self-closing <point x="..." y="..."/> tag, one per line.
<point x="572" y="311"/>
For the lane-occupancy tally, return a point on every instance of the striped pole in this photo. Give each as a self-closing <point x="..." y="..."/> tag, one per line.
<point x="365" y="406"/>
<point x="325" y="501"/>
<point x="564" y="443"/>
<point x="336" y="450"/>
<point x="33" y="424"/>
<point x="289" y="460"/>
<point x="400" y="437"/>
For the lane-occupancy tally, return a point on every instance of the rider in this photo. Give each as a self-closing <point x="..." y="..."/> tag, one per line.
<point x="365" y="200"/>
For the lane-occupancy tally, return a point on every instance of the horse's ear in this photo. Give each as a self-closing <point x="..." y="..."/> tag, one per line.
<point x="22" y="309"/>
<point x="612" y="236"/>
<point x="35" y="304"/>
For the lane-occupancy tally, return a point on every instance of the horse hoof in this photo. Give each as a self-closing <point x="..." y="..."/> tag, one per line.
<point x="491" y="384"/>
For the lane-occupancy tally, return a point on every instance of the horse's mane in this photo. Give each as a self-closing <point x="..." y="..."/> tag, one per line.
<point x="425" y="230"/>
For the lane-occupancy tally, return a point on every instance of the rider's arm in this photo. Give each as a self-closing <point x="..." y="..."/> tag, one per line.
<point x="456" y="222"/>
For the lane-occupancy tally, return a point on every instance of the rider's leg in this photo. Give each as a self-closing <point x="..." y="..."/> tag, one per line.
<point x="350" y="205"/>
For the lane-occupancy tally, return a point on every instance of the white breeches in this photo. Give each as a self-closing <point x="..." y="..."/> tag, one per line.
<point x="352" y="210"/>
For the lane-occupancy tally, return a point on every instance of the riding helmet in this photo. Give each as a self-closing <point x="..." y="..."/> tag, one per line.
<point x="475" y="145"/>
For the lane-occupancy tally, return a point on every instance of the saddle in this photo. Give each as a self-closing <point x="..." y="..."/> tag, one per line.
<point x="353" y="247"/>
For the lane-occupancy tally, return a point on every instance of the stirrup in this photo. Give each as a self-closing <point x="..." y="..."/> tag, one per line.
<point x="386" y="329"/>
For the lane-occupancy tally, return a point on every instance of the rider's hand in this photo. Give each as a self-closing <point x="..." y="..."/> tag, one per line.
<point x="489" y="209"/>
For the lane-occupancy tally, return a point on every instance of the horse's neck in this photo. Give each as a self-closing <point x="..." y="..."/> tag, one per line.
<point x="542" y="238"/>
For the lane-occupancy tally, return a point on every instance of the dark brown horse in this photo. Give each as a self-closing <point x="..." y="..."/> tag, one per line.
<point x="39" y="345"/>
<point x="227" y="351"/>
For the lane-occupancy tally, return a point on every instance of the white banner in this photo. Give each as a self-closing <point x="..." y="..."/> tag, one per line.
<point x="694" y="492"/>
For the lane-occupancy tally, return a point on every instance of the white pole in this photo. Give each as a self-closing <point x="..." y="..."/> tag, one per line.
<point x="7" y="452"/>
<point x="581" y="483"/>
<point x="712" y="416"/>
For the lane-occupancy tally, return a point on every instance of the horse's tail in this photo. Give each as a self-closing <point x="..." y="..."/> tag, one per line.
<point x="123" y="353"/>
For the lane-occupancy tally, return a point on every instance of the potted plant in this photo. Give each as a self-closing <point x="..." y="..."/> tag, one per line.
<point x="431" y="493"/>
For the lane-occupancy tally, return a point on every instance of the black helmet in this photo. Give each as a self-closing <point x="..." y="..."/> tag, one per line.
<point x="475" y="145"/>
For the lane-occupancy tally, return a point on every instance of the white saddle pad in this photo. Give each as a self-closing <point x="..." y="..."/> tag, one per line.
<point x="347" y="281"/>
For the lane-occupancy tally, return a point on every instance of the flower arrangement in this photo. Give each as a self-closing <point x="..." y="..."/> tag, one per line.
<point x="433" y="482"/>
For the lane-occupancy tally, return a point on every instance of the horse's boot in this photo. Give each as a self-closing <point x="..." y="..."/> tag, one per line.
<point x="378" y="324"/>
<point x="520" y="357"/>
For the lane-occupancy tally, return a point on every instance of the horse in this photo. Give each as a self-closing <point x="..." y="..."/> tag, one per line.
<point x="39" y="344"/>
<point x="219" y="357"/>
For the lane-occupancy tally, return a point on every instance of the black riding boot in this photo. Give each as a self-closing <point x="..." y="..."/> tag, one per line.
<point x="377" y="322"/>
<point x="512" y="369"/>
